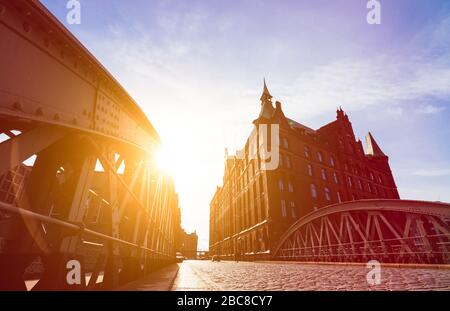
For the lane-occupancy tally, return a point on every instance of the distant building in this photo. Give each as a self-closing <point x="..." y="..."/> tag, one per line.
<point x="316" y="168"/>
<point x="189" y="245"/>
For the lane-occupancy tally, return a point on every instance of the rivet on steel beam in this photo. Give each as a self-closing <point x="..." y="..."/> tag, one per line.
<point x="56" y="117"/>
<point x="39" y="112"/>
<point x="26" y="27"/>
<point x="17" y="106"/>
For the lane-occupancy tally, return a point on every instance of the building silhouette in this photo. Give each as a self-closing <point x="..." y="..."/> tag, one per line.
<point x="316" y="168"/>
<point x="189" y="245"/>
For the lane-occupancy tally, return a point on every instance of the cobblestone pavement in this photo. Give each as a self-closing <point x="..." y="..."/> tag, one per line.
<point x="228" y="275"/>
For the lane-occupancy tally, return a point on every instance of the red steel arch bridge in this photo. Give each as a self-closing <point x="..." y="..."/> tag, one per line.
<point x="77" y="174"/>
<point x="390" y="231"/>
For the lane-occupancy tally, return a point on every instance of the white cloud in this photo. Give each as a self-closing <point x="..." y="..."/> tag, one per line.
<point x="430" y="109"/>
<point x="358" y="84"/>
<point x="432" y="172"/>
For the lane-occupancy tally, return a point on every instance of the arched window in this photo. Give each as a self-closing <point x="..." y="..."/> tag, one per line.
<point x="280" y="184"/>
<point x="310" y="169"/>
<point x="332" y="161"/>
<point x="339" y="197"/>
<point x="290" y="187"/>
<point x="307" y="151"/>
<point x="324" y="174"/>
<point x="349" y="179"/>
<point x="293" y="214"/>
<point x="283" y="208"/>
<point x="360" y="184"/>
<point x="335" y="178"/>
<point x="285" y="143"/>
<point x="319" y="156"/>
<point x="327" y="194"/>
<point x="313" y="191"/>
<point x="288" y="161"/>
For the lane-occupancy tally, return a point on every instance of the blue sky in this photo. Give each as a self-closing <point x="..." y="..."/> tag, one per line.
<point x="196" y="69"/>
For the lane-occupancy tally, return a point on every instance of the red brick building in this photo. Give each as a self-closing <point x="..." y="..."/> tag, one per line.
<point x="316" y="168"/>
<point x="189" y="245"/>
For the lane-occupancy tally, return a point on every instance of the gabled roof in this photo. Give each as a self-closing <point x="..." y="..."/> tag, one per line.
<point x="296" y="125"/>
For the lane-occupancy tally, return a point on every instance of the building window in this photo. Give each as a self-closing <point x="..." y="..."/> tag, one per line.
<point x="283" y="208"/>
<point x="327" y="194"/>
<point x="313" y="191"/>
<point x="380" y="179"/>
<point x="371" y="176"/>
<point x="285" y="143"/>
<point x="288" y="161"/>
<point x="292" y="205"/>
<point x="290" y="187"/>
<point x="324" y="174"/>
<point x="349" y="179"/>
<point x="360" y="184"/>
<point x="346" y="166"/>
<point x="281" y="159"/>
<point x="280" y="185"/>
<point x="261" y="187"/>
<point x="369" y="187"/>
<point x="307" y="152"/>
<point x="335" y="178"/>
<point x="339" y="197"/>
<point x="354" y="197"/>
<point x="332" y="161"/>
<point x="319" y="156"/>
<point x="310" y="170"/>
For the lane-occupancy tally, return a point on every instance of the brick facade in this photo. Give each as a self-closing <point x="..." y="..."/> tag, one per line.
<point x="316" y="168"/>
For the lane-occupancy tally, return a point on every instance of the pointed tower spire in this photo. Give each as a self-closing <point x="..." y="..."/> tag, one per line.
<point x="372" y="147"/>
<point x="339" y="113"/>
<point x="266" y="94"/>
<point x="267" y="109"/>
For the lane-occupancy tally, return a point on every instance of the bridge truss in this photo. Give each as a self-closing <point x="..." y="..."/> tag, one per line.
<point x="77" y="174"/>
<point x="390" y="231"/>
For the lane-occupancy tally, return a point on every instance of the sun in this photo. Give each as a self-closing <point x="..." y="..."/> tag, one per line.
<point x="163" y="160"/>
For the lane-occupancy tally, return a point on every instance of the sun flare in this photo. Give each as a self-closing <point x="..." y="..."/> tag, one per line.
<point x="164" y="160"/>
